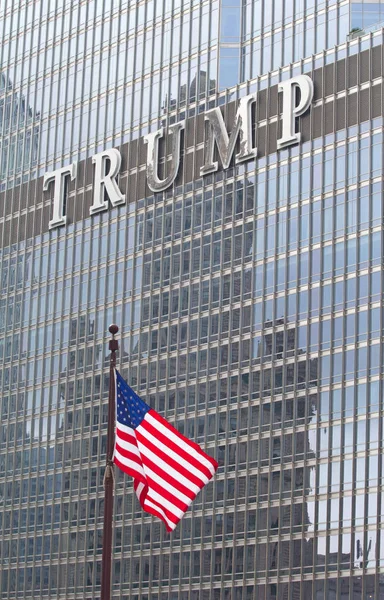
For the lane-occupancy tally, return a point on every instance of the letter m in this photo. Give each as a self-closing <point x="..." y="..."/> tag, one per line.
<point x="217" y="132"/>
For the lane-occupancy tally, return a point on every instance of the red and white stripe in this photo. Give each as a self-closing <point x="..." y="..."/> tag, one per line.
<point x="169" y="470"/>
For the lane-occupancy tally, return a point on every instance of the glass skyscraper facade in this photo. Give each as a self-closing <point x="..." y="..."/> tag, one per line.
<point x="249" y="301"/>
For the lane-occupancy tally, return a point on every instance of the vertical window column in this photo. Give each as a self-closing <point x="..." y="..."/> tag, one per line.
<point x="230" y="43"/>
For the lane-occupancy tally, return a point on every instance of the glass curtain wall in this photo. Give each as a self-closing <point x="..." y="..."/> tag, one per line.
<point x="249" y="305"/>
<point x="259" y="36"/>
<point x="366" y="14"/>
<point x="111" y="72"/>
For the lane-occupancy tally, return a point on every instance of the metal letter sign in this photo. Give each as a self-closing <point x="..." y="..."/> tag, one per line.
<point x="106" y="181"/>
<point x="217" y="135"/>
<point x="290" y="110"/>
<point x="242" y="128"/>
<point x="152" y="140"/>
<point x="58" y="176"/>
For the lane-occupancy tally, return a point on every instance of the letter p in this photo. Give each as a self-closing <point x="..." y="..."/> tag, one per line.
<point x="290" y="110"/>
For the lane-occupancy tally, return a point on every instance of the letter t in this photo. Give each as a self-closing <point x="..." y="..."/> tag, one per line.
<point x="58" y="176"/>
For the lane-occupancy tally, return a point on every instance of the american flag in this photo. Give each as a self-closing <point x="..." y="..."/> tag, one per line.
<point x="168" y="469"/>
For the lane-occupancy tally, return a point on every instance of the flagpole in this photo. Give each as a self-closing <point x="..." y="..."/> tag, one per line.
<point x="106" y="561"/>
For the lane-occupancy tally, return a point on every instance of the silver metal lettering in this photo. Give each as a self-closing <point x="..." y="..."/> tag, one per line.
<point x="106" y="182"/>
<point x="242" y="129"/>
<point x="290" y="111"/>
<point x="156" y="184"/>
<point x="58" y="176"/>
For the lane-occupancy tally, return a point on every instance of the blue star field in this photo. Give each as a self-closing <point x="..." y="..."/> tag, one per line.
<point x="130" y="409"/>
